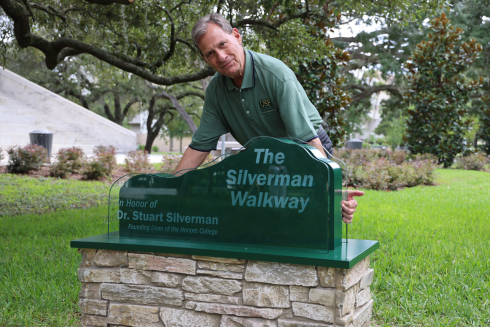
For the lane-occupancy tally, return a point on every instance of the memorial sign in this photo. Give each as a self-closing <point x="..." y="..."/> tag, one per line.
<point x="274" y="200"/>
<point x="276" y="193"/>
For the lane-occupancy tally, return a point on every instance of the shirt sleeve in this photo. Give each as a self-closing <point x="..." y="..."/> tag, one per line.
<point x="212" y="125"/>
<point x="293" y="111"/>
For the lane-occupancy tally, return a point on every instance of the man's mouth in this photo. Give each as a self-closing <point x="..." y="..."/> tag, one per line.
<point x="227" y="65"/>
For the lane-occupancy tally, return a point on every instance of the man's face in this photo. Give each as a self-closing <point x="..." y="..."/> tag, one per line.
<point x="223" y="51"/>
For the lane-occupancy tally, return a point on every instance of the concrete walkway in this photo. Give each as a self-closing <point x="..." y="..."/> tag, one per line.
<point x="153" y="158"/>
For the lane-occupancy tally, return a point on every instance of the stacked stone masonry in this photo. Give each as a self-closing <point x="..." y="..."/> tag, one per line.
<point x="152" y="289"/>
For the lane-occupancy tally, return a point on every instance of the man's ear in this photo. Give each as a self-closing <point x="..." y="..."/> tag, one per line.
<point x="237" y="35"/>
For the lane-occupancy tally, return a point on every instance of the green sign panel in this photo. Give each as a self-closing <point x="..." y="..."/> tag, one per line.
<point x="274" y="194"/>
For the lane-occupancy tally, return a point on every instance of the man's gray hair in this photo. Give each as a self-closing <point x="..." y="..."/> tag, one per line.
<point x="201" y="26"/>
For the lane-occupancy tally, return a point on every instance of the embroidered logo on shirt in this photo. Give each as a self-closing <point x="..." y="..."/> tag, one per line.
<point x="265" y="103"/>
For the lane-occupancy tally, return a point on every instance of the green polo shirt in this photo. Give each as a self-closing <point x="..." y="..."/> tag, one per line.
<point x="271" y="103"/>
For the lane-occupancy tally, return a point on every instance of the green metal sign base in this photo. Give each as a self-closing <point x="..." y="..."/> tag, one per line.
<point x="344" y="257"/>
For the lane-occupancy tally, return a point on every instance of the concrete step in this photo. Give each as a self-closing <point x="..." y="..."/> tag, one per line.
<point x="16" y="119"/>
<point x="25" y="106"/>
<point x="24" y="139"/>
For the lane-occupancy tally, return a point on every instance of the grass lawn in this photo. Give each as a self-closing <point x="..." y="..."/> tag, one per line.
<point x="24" y="194"/>
<point x="433" y="265"/>
<point x="432" y="269"/>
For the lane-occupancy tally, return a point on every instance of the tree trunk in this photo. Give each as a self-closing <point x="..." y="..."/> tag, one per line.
<point x="150" y="138"/>
<point x="117" y="109"/>
<point x="171" y="143"/>
<point x="185" y="116"/>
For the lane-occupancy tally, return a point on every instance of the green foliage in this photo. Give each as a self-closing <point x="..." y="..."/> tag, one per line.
<point x="385" y="169"/>
<point x="437" y="92"/>
<point x="68" y="160"/>
<point x="102" y="164"/>
<point x="472" y="162"/>
<point x="391" y="110"/>
<point x="94" y="169"/>
<point x="395" y="132"/>
<point x="138" y="161"/>
<point x="169" y="163"/>
<point x="38" y="268"/>
<point x="484" y="131"/>
<point x="141" y="147"/>
<point x="322" y="81"/>
<point x="20" y="194"/>
<point x="27" y="158"/>
<point x="431" y="269"/>
<point x="107" y="156"/>
<point x="155" y="149"/>
<point x="323" y="84"/>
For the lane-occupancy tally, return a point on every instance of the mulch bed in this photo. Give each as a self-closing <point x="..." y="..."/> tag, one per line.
<point x="43" y="171"/>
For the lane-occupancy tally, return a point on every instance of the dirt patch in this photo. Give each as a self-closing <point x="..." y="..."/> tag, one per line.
<point x="44" y="171"/>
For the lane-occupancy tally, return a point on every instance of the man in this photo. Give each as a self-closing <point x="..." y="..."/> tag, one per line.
<point x="251" y="95"/>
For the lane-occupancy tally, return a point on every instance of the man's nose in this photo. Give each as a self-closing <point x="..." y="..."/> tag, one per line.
<point x="221" y="55"/>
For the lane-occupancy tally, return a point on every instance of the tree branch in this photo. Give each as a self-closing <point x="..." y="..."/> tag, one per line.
<point x="54" y="50"/>
<point x="128" y="105"/>
<point x="110" y="2"/>
<point x="344" y="39"/>
<point x="274" y="26"/>
<point x="185" y="116"/>
<point x="28" y="7"/>
<point x="173" y="41"/>
<point x="367" y="91"/>
<point x="190" y="93"/>
<point x="46" y="10"/>
<point x="220" y="3"/>
<point x="260" y="22"/>
<point x="187" y="44"/>
<point x="108" y="113"/>
<point x="180" y="4"/>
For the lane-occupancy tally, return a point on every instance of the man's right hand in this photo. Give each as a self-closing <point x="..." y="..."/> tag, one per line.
<point x="192" y="159"/>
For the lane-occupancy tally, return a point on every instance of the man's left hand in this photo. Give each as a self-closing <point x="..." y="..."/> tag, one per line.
<point x="349" y="205"/>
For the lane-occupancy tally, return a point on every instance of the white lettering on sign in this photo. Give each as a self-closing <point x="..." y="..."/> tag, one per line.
<point x="245" y="178"/>
<point x="170" y="217"/>
<point x="269" y="156"/>
<point x="264" y="200"/>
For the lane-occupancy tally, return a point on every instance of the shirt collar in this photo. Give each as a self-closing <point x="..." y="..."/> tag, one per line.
<point x="248" y="76"/>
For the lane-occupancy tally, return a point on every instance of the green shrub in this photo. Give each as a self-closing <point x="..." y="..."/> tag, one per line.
<point x="68" y="160"/>
<point x="385" y="174"/>
<point x="141" y="147"/>
<point x="438" y="91"/>
<point x="472" y="162"/>
<point x="138" y="161"/>
<point x="155" y="149"/>
<point x="107" y="156"/>
<point x="426" y="156"/>
<point x="361" y="156"/>
<point x="102" y="164"/>
<point x="484" y="131"/>
<point x="25" y="159"/>
<point x="94" y="169"/>
<point x="398" y="156"/>
<point x="169" y="163"/>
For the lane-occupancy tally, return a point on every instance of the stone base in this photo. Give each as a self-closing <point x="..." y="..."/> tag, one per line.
<point x="154" y="289"/>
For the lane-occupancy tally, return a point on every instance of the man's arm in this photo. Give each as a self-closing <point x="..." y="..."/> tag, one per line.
<point x="317" y="144"/>
<point x="192" y="158"/>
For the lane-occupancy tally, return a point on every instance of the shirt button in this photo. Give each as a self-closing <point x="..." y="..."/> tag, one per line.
<point x="248" y="112"/>
<point x="243" y="99"/>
